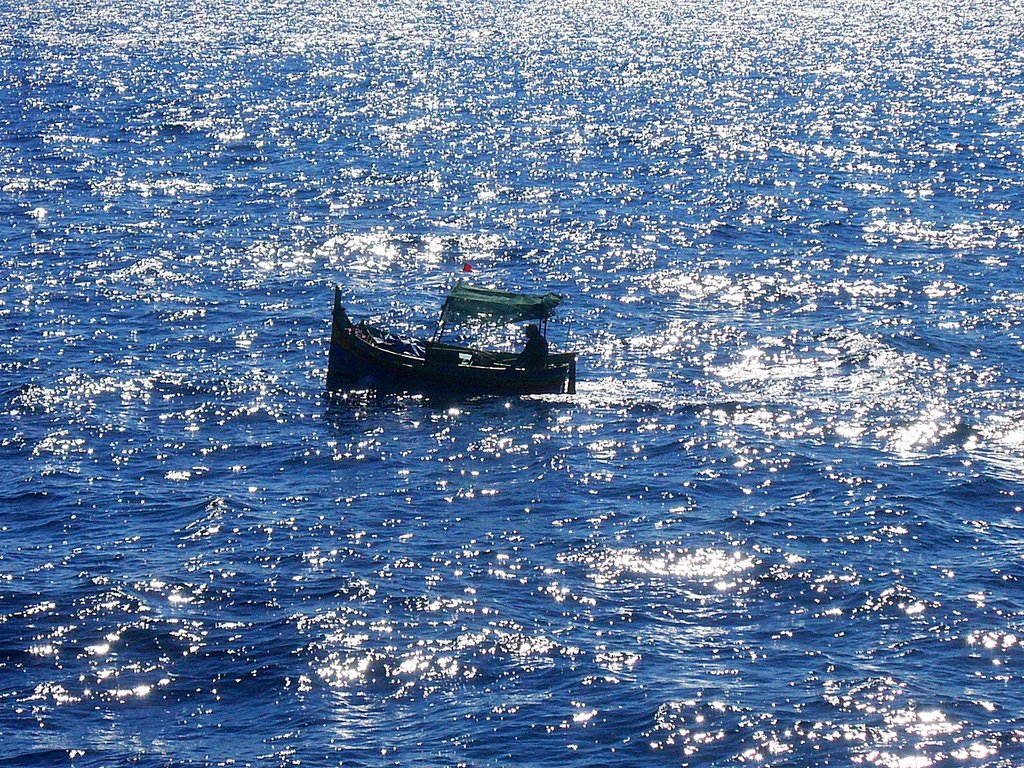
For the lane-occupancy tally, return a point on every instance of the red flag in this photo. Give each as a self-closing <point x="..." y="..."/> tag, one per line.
<point x="467" y="267"/>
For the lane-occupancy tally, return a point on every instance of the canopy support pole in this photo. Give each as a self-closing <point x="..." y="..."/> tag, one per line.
<point x="440" y="323"/>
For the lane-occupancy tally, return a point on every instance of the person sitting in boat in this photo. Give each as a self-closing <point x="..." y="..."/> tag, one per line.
<point x="535" y="353"/>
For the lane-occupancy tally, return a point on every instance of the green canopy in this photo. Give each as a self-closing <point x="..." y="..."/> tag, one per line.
<point x="486" y="305"/>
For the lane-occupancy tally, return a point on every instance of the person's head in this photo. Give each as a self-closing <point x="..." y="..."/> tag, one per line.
<point x="532" y="331"/>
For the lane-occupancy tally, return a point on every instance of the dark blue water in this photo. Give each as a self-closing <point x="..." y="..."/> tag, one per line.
<point x="781" y="523"/>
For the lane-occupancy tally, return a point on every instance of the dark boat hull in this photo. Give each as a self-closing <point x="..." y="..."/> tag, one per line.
<point x="359" y="361"/>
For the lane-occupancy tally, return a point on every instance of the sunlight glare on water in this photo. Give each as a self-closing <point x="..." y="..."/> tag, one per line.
<point x="778" y="524"/>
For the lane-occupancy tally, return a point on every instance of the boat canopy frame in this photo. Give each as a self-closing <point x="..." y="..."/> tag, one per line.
<point x="467" y="303"/>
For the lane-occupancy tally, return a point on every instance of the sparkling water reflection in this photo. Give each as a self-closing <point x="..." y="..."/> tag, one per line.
<point x="780" y="522"/>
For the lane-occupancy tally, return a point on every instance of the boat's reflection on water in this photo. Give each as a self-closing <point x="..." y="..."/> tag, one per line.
<point x="342" y="405"/>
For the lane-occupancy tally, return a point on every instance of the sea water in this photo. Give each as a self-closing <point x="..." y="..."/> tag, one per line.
<point x="780" y="523"/>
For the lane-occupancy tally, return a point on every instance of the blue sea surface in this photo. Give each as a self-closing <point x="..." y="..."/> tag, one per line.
<point x="780" y="524"/>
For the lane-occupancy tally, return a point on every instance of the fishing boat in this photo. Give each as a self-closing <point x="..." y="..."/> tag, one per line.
<point x="366" y="357"/>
